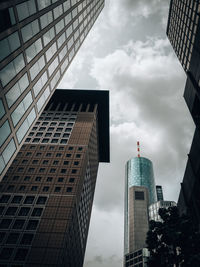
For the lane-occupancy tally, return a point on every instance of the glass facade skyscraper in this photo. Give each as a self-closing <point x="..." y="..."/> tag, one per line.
<point x="38" y="40"/>
<point x="139" y="172"/>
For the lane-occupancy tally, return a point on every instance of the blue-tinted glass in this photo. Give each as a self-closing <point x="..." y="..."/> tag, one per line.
<point x="30" y="30"/>
<point x="26" y="9"/>
<point x="25" y="125"/>
<point x="17" y="90"/>
<point x="46" y="19"/>
<point x="9" y="151"/>
<point x="4" y="132"/>
<point x="43" y="3"/>
<point x="12" y="16"/>
<point x="2" y="110"/>
<point x="21" y="108"/>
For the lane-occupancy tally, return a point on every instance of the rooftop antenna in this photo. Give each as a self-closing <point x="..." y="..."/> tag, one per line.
<point x="138" y="148"/>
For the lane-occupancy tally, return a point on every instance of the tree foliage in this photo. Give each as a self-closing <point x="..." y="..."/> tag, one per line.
<point x="174" y="241"/>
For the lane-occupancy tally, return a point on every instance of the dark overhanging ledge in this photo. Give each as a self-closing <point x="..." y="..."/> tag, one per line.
<point x="100" y="97"/>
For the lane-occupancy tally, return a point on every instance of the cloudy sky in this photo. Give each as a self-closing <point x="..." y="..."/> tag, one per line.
<point x="127" y="52"/>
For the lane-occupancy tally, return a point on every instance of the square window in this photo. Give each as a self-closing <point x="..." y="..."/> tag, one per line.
<point x="34" y="188"/>
<point x="27" y="178"/>
<point x="52" y="170"/>
<point x="24" y="211"/>
<point x="45" y="162"/>
<point x="44" y="123"/>
<point x="15" y="178"/>
<point x="50" y="129"/>
<point x="42" y="147"/>
<point x="34" y="128"/>
<point x="80" y="148"/>
<point x="28" y="140"/>
<point x="5" y="223"/>
<point x="76" y="163"/>
<point x="31" y="169"/>
<point x="27" y="239"/>
<point x="37" y="212"/>
<point x="18" y="224"/>
<point x="24" y="161"/>
<point x="22" y="188"/>
<point x="78" y="155"/>
<point x="36" y="140"/>
<point x="66" y="162"/>
<point x="11" y="211"/>
<point x="4" y="198"/>
<point x="41" y="200"/>
<point x="42" y="129"/>
<point x="38" y="154"/>
<point x="31" y="133"/>
<point x="55" y="162"/>
<point x="61" y="148"/>
<point x="51" y="147"/>
<point x="45" y="140"/>
<point x="58" y="155"/>
<point x="60" y="179"/>
<point x="53" y="141"/>
<point x="63" y="170"/>
<point x="42" y="170"/>
<point x="20" y="169"/>
<point x="10" y="188"/>
<point x="74" y="171"/>
<point x="32" y="225"/>
<point x="53" y="123"/>
<point x="16" y="199"/>
<point x="35" y="161"/>
<point x="39" y="134"/>
<point x="66" y="135"/>
<point x="70" y="124"/>
<point x="28" y="154"/>
<point x="57" y="189"/>
<point x="12" y="238"/>
<point x="49" y="179"/>
<point x="63" y="141"/>
<point x="68" y="130"/>
<point x="21" y="254"/>
<point x="68" y="155"/>
<point x="57" y="135"/>
<point x="48" y="134"/>
<point x="71" y="180"/>
<point x="59" y="129"/>
<point x="70" y="148"/>
<point x="29" y="200"/>
<point x="69" y="189"/>
<point x="32" y="147"/>
<point x="45" y="189"/>
<point x="6" y="253"/>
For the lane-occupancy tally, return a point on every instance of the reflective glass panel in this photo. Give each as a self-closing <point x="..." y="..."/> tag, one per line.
<point x="39" y="84"/>
<point x="4" y="132"/>
<point x="9" y="151"/>
<point x="2" y="110"/>
<point x="9" y="44"/>
<point x="43" y="3"/>
<point x="46" y="19"/>
<point x="26" y="9"/>
<point x="30" y="30"/>
<point x="33" y="50"/>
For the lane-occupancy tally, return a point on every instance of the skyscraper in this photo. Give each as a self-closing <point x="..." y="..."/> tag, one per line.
<point x="38" y="40"/>
<point x="159" y="192"/>
<point x="47" y="193"/>
<point x="140" y="191"/>
<point x="154" y="208"/>
<point x="183" y="31"/>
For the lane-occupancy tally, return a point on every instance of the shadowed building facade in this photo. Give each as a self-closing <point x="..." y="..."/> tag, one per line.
<point x="38" y="41"/>
<point x="47" y="193"/>
<point x="183" y="31"/>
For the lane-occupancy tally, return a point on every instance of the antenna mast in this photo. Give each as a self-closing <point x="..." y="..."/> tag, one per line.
<point x="138" y="148"/>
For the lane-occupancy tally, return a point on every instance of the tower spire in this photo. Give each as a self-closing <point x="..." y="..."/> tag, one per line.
<point x="138" y="148"/>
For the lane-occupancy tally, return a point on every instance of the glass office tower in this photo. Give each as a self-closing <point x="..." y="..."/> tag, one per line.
<point x="38" y="40"/>
<point x="140" y="191"/>
<point x="47" y="193"/>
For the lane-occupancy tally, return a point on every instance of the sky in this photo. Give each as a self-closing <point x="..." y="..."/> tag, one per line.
<point x="127" y="52"/>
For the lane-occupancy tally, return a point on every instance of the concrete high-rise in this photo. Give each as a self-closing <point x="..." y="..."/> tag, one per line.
<point x="47" y="193"/>
<point x="140" y="191"/>
<point x="38" y="41"/>
<point x="183" y="31"/>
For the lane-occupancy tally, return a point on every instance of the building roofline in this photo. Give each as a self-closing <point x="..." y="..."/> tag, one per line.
<point x="100" y="97"/>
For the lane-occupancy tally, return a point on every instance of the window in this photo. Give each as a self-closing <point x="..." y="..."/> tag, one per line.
<point x="54" y="141"/>
<point x="61" y="148"/>
<point x="48" y="154"/>
<point x="22" y="188"/>
<point x="70" y="148"/>
<point x="36" y="140"/>
<point x="42" y="170"/>
<point x="4" y="199"/>
<point x="38" y="154"/>
<point x="41" y="200"/>
<point x="63" y="170"/>
<point x="26" y="9"/>
<point x="30" y="30"/>
<point x="68" y="155"/>
<point x="57" y="189"/>
<point x="42" y="128"/>
<point x="34" y="188"/>
<point x="80" y="148"/>
<point x="32" y="225"/>
<point x="28" y="154"/>
<point x="38" y="179"/>
<point x="66" y="162"/>
<point x="12" y="238"/>
<point x="69" y="189"/>
<point x="27" y="178"/>
<point x="48" y="134"/>
<point x="29" y="200"/>
<point x="42" y="147"/>
<point x="71" y="180"/>
<point x="45" y="189"/>
<point x="15" y="178"/>
<point x="27" y="239"/>
<point x="50" y="129"/>
<point x="45" y="162"/>
<point x="60" y="179"/>
<point x="31" y="133"/>
<point x="49" y="179"/>
<point x="55" y="162"/>
<point x="35" y="161"/>
<point x="4" y="132"/>
<point x="31" y="169"/>
<point x="6" y="253"/>
<point x="76" y="163"/>
<point x="52" y="170"/>
<point x="24" y="211"/>
<point x="11" y="211"/>
<point x="65" y="135"/>
<point x="37" y="212"/>
<point x="18" y="224"/>
<point x="39" y="134"/>
<point x="16" y="199"/>
<point x="58" y="155"/>
<point x="63" y="141"/>
<point x="21" y="254"/>
<point x="74" y="171"/>
<point x="5" y="223"/>
<point x="20" y="169"/>
<point x="10" y="188"/>
<point x="24" y="161"/>
<point x="33" y="50"/>
<point x="57" y="135"/>
<point x="139" y="195"/>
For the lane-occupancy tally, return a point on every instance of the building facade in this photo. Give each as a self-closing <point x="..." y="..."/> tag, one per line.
<point x="140" y="191"/>
<point x="154" y="209"/>
<point x="183" y="31"/>
<point x="159" y="192"/>
<point x="138" y="258"/>
<point x="38" y="41"/>
<point x="47" y="193"/>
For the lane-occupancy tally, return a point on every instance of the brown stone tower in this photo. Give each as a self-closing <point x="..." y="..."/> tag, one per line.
<point x="48" y="191"/>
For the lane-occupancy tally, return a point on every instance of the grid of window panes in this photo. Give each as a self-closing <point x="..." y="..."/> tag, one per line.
<point x="182" y="28"/>
<point x="37" y="45"/>
<point x="52" y="128"/>
<point x="154" y="209"/>
<point x="137" y="258"/>
<point x="20" y="215"/>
